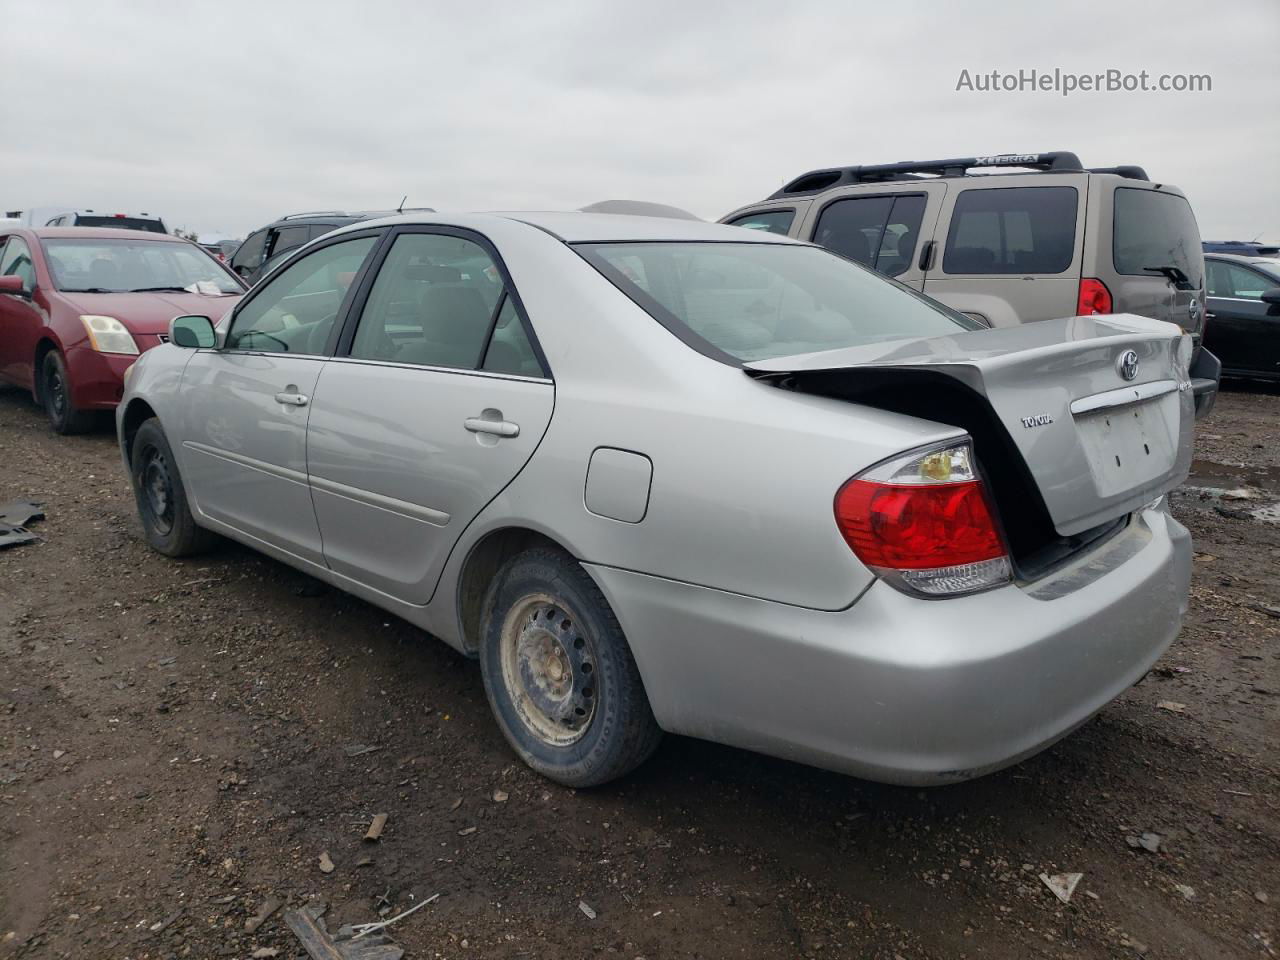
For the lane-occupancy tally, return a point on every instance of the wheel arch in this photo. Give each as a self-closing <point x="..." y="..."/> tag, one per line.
<point x="44" y="346"/>
<point x="483" y="561"/>
<point x="136" y="414"/>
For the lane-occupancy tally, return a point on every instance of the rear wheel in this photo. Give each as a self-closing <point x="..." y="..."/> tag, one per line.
<point x="162" y="502"/>
<point x="559" y="673"/>
<point x="55" y="391"/>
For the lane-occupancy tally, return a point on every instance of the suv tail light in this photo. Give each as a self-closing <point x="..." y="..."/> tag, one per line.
<point x="1094" y="297"/>
<point x="924" y="523"/>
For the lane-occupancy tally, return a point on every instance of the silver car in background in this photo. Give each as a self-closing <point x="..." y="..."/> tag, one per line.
<point x="667" y="475"/>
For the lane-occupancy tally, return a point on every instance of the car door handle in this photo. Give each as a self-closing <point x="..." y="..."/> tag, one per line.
<point x="293" y="399"/>
<point x="1210" y="316"/>
<point x="498" y="428"/>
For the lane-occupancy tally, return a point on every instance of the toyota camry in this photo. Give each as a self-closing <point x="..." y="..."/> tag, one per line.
<point x="663" y="475"/>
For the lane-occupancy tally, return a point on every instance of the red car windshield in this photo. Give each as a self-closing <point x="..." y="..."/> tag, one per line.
<point x="129" y="266"/>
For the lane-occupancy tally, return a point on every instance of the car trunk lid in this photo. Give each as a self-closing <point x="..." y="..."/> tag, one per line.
<point x="1094" y="414"/>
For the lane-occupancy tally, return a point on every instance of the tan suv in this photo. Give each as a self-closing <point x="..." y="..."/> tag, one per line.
<point x="1052" y="240"/>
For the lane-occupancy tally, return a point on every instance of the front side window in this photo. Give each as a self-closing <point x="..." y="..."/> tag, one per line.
<point x="757" y="301"/>
<point x="16" y="262"/>
<point x="878" y="231"/>
<point x="434" y="303"/>
<point x="770" y="221"/>
<point x="289" y="238"/>
<point x="1018" y="230"/>
<point x="133" y="266"/>
<point x="295" y="310"/>
<point x="1152" y="230"/>
<point x="249" y="254"/>
<point x="1243" y="283"/>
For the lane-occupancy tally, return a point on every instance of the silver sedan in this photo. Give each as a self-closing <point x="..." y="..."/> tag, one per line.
<point x="661" y="475"/>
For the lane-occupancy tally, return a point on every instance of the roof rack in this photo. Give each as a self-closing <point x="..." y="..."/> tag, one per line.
<point x="1129" y="172"/>
<point x="815" y="181"/>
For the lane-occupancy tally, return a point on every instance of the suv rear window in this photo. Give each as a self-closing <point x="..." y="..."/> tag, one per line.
<point x="1012" y="230"/>
<point x="1155" y="229"/>
<point x="756" y="301"/>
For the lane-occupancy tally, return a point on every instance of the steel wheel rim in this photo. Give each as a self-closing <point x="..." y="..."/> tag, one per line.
<point x="156" y="484"/>
<point x="548" y="669"/>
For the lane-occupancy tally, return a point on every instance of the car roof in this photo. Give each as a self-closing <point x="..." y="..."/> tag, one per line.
<point x="572" y="227"/>
<point x="1271" y="263"/>
<point x="102" y="233"/>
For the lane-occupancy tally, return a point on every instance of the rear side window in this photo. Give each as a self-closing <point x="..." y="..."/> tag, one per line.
<point x="878" y="231"/>
<point x="770" y="221"/>
<point x="1012" y="230"/>
<point x="1155" y="229"/>
<point x="437" y="301"/>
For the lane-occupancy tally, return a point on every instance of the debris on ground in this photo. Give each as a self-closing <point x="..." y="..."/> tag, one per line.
<point x="326" y="862"/>
<point x="359" y="749"/>
<point x="467" y="831"/>
<point x="265" y="953"/>
<point x="1187" y="892"/>
<point x="1063" y="885"/>
<point x="361" y="930"/>
<point x="309" y="927"/>
<point x="1173" y="706"/>
<point x="375" y="828"/>
<point x="14" y="518"/>
<point x="499" y="796"/>
<point x="456" y="804"/>
<point x="1148" y="841"/>
<point x="1269" y="610"/>
<point x="269" y="906"/>
<point x="586" y="909"/>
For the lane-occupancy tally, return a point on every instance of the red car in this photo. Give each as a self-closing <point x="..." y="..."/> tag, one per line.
<point x="79" y="304"/>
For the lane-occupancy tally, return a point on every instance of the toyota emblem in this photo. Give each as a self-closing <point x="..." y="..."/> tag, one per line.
<point x="1127" y="364"/>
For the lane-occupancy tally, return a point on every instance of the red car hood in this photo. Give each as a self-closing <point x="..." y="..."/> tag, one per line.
<point x="150" y="313"/>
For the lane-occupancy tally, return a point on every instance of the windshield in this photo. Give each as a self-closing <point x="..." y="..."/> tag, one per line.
<point x="123" y="266"/>
<point x="757" y="301"/>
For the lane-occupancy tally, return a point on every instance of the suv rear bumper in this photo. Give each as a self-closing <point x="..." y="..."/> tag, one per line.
<point x="907" y="690"/>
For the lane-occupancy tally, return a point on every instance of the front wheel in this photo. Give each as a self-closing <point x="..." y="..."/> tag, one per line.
<point x="559" y="674"/>
<point x="55" y="392"/>
<point x="162" y="502"/>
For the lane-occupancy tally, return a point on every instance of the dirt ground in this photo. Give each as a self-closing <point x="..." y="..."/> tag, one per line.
<point x="181" y="741"/>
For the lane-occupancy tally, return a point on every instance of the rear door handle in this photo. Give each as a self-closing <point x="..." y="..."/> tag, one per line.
<point x="293" y="399"/>
<point x="497" y="428"/>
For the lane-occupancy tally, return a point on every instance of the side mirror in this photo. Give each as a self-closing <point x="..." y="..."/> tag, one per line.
<point x="195" y="333"/>
<point x="1272" y="296"/>
<point x="14" y="285"/>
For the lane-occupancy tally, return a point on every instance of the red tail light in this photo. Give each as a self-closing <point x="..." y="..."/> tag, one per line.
<point x="1094" y="298"/>
<point x="923" y="522"/>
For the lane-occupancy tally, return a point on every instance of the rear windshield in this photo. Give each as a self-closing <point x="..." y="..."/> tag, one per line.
<point x="125" y="266"/>
<point x="120" y="223"/>
<point x="1155" y="229"/>
<point x="1012" y="230"/>
<point x="757" y="301"/>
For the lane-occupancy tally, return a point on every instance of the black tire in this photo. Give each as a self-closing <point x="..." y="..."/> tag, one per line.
<point x="162" y="500"/>
<point x="598" y="725"/>
<point x="55" y="392"/>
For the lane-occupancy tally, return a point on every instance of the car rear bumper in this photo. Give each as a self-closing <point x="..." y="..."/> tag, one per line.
<point x="907" y="690"/>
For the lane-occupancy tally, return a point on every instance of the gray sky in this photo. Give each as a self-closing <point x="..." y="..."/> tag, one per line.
<point x="223" y="115"/>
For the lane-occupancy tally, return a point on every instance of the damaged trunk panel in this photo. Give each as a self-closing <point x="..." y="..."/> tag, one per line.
<point x="1069" y="443"/>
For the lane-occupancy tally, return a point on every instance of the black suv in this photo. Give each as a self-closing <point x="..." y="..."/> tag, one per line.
<point x="265" y="248"/>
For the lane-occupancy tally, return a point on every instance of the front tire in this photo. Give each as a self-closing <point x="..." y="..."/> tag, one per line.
<point x="559" y="674"/>
<point x="162" y="501"/>
<point x="55" y="392"/>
